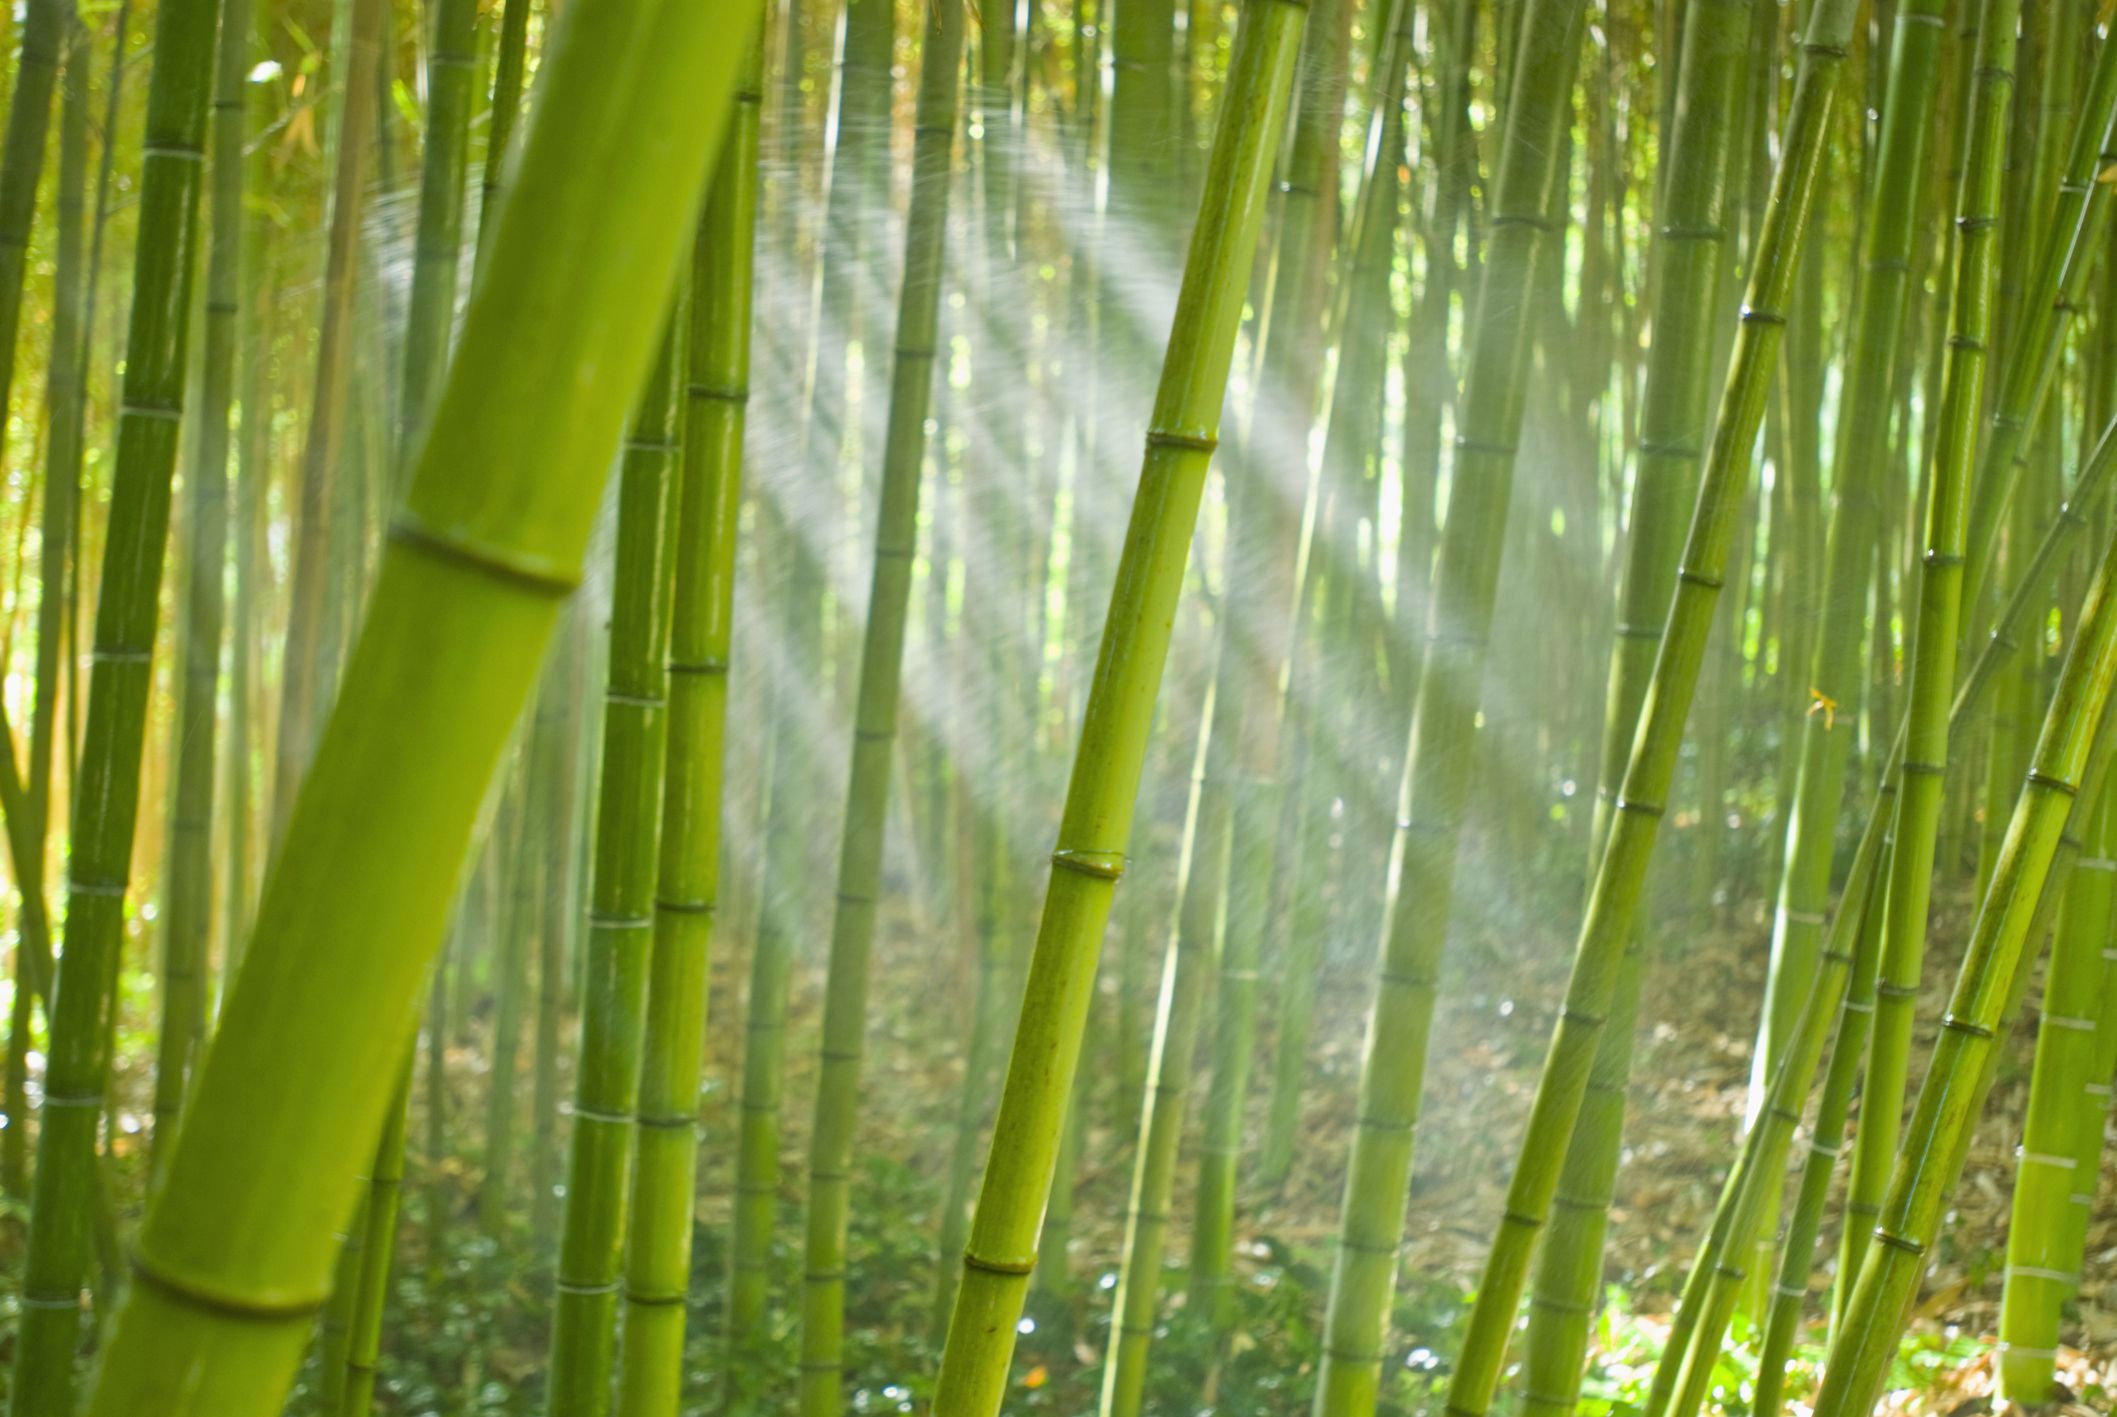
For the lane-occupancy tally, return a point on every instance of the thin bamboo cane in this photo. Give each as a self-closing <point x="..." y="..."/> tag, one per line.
<point x="314" y="639"/>
<point x="701" y="615"/>
<point x="620" y="915"/>
<point x="1613" y="905"/>
<point x="189" y="912"/>
<point x="1437" y="763"/>
<point x="451" y="78"/>
<point x="1095" y="829"/>
<point x="385" y="1183"/>
<point x="875" y="719"/>
<point x="509" y="59"/>
<point x="107" y="787"/>
<point x="234" y="1256"/>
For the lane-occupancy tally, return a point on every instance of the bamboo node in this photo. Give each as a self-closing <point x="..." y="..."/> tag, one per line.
<point x="1828" y="1149"/>
<point x="181" y="152"/>
<point x="1511" y="1216"/>
<point x="1639" y="632"/>
<point x="1193" y="442"/>
<point x="1104" y="865"/>
<point x="1464" y="443"/>
<point x="1968" y="1027"/>
<point x="1699" y="578"/>
<point x="1895" y="1241"/>
<point x="599" y="1114"/>
<point x="685" y="907"/>
<point x="1751" y="315"/>
<point x="2056" y="1276"/>
<point x="2044" y="1158"/>
<point x="111" y="889"/>
<point x="719" y="393"/>
<point x="1633" y="804"/>
<point x="655" y="1301"/>
<point x="2056" y="784"/>
<point x="1802" y="917"/>
<point x="1790" y="1291"/>
<point x="1368" y="1247"/>
<point x="531" y="573"/>
<point x="698" y="666"/>
<point x="51" y="1302"/>
<point x="133" y="409"/>
<point x="1020" y="1268"/>
<point x="1534" y="221"/>
<point x="1814" y="49"/>
<point x="2084" y="1025"/>
<point x="192" y="1294"/>
<point x="600" y="920"/>
<point x="2024" y="1351"/>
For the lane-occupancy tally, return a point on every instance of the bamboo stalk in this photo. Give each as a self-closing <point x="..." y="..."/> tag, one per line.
<point x="67" y="1183"/>
<point x="701" y="615"/>
<point x="233" y="1259"/>
<point x="1095" y="830"/>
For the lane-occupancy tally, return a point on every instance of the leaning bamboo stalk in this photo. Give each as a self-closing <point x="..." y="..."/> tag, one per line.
<point x="107" y="787"/>
<point x="1436" y="774"/>
<point x="1620" y="878"/>
<point x="2072" y="244"/>
<point x="2071" y="753"/>
<point x="1095" y="829"/>
<point x="875" y="718"/>
<point x="234" y="1258"/>
<point x="1854" y="937"/>
<point x="701" y="614"/>
<point x="1935" y="635"/>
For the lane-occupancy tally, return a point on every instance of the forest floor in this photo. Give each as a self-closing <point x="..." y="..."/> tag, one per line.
<point x="470" y="1316"/>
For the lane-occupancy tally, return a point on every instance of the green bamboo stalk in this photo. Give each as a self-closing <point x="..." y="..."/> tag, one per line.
<point x="2042" y="1271"/>
<point x="1935" y="633"/>
<point x="510" y="58"/>
<point x="314" y="639"/>
<point x="63" y="453"/>
<point x="234" y="1257"/>
<point x="1854" y="936"/>
<point x="1826" y="1138"/>
<point x="1613" y="904"/>
<point x="451" y="76"/>
<point x="701" y="615"/>
<point x="378" y="1218"/>
<point x="620" y="912"/>
<point x="32" y="966"/>
<point x="189" y="907"/>
<point x="2073" y="240"/>
<point x="514" y="928"/>
<point x="1525" y="214"/>
<point x="1259" y="610"/>
<point x="1686" y="263"/>
<point x="859" y="872"/>
<point x="1095" y="830"/>
<point x="779" y="917"/>
<point x="107" y="784"/>
<point x="2071" y="755"/>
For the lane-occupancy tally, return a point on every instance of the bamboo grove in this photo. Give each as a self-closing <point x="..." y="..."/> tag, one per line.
<point x="741" y="707"/>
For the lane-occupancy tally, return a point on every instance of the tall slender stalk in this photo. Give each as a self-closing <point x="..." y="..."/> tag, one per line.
<point x="189" y="915"/>
<point x="614" y="969"/>
<point x="1526" y="214"/>
<point x="1690" y="248"/>
<point x="1828" y="721"/>
<point x="701" y="615"/>
<point x="234" y="1258"/>
<point x="1095" y="829"/>
<point x="313" y="635"/>
<point x="107" y="786"/>
<point x="1935" y="635"/>
<point x="860" y="844"/>
<point x="1614" y="902"/>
